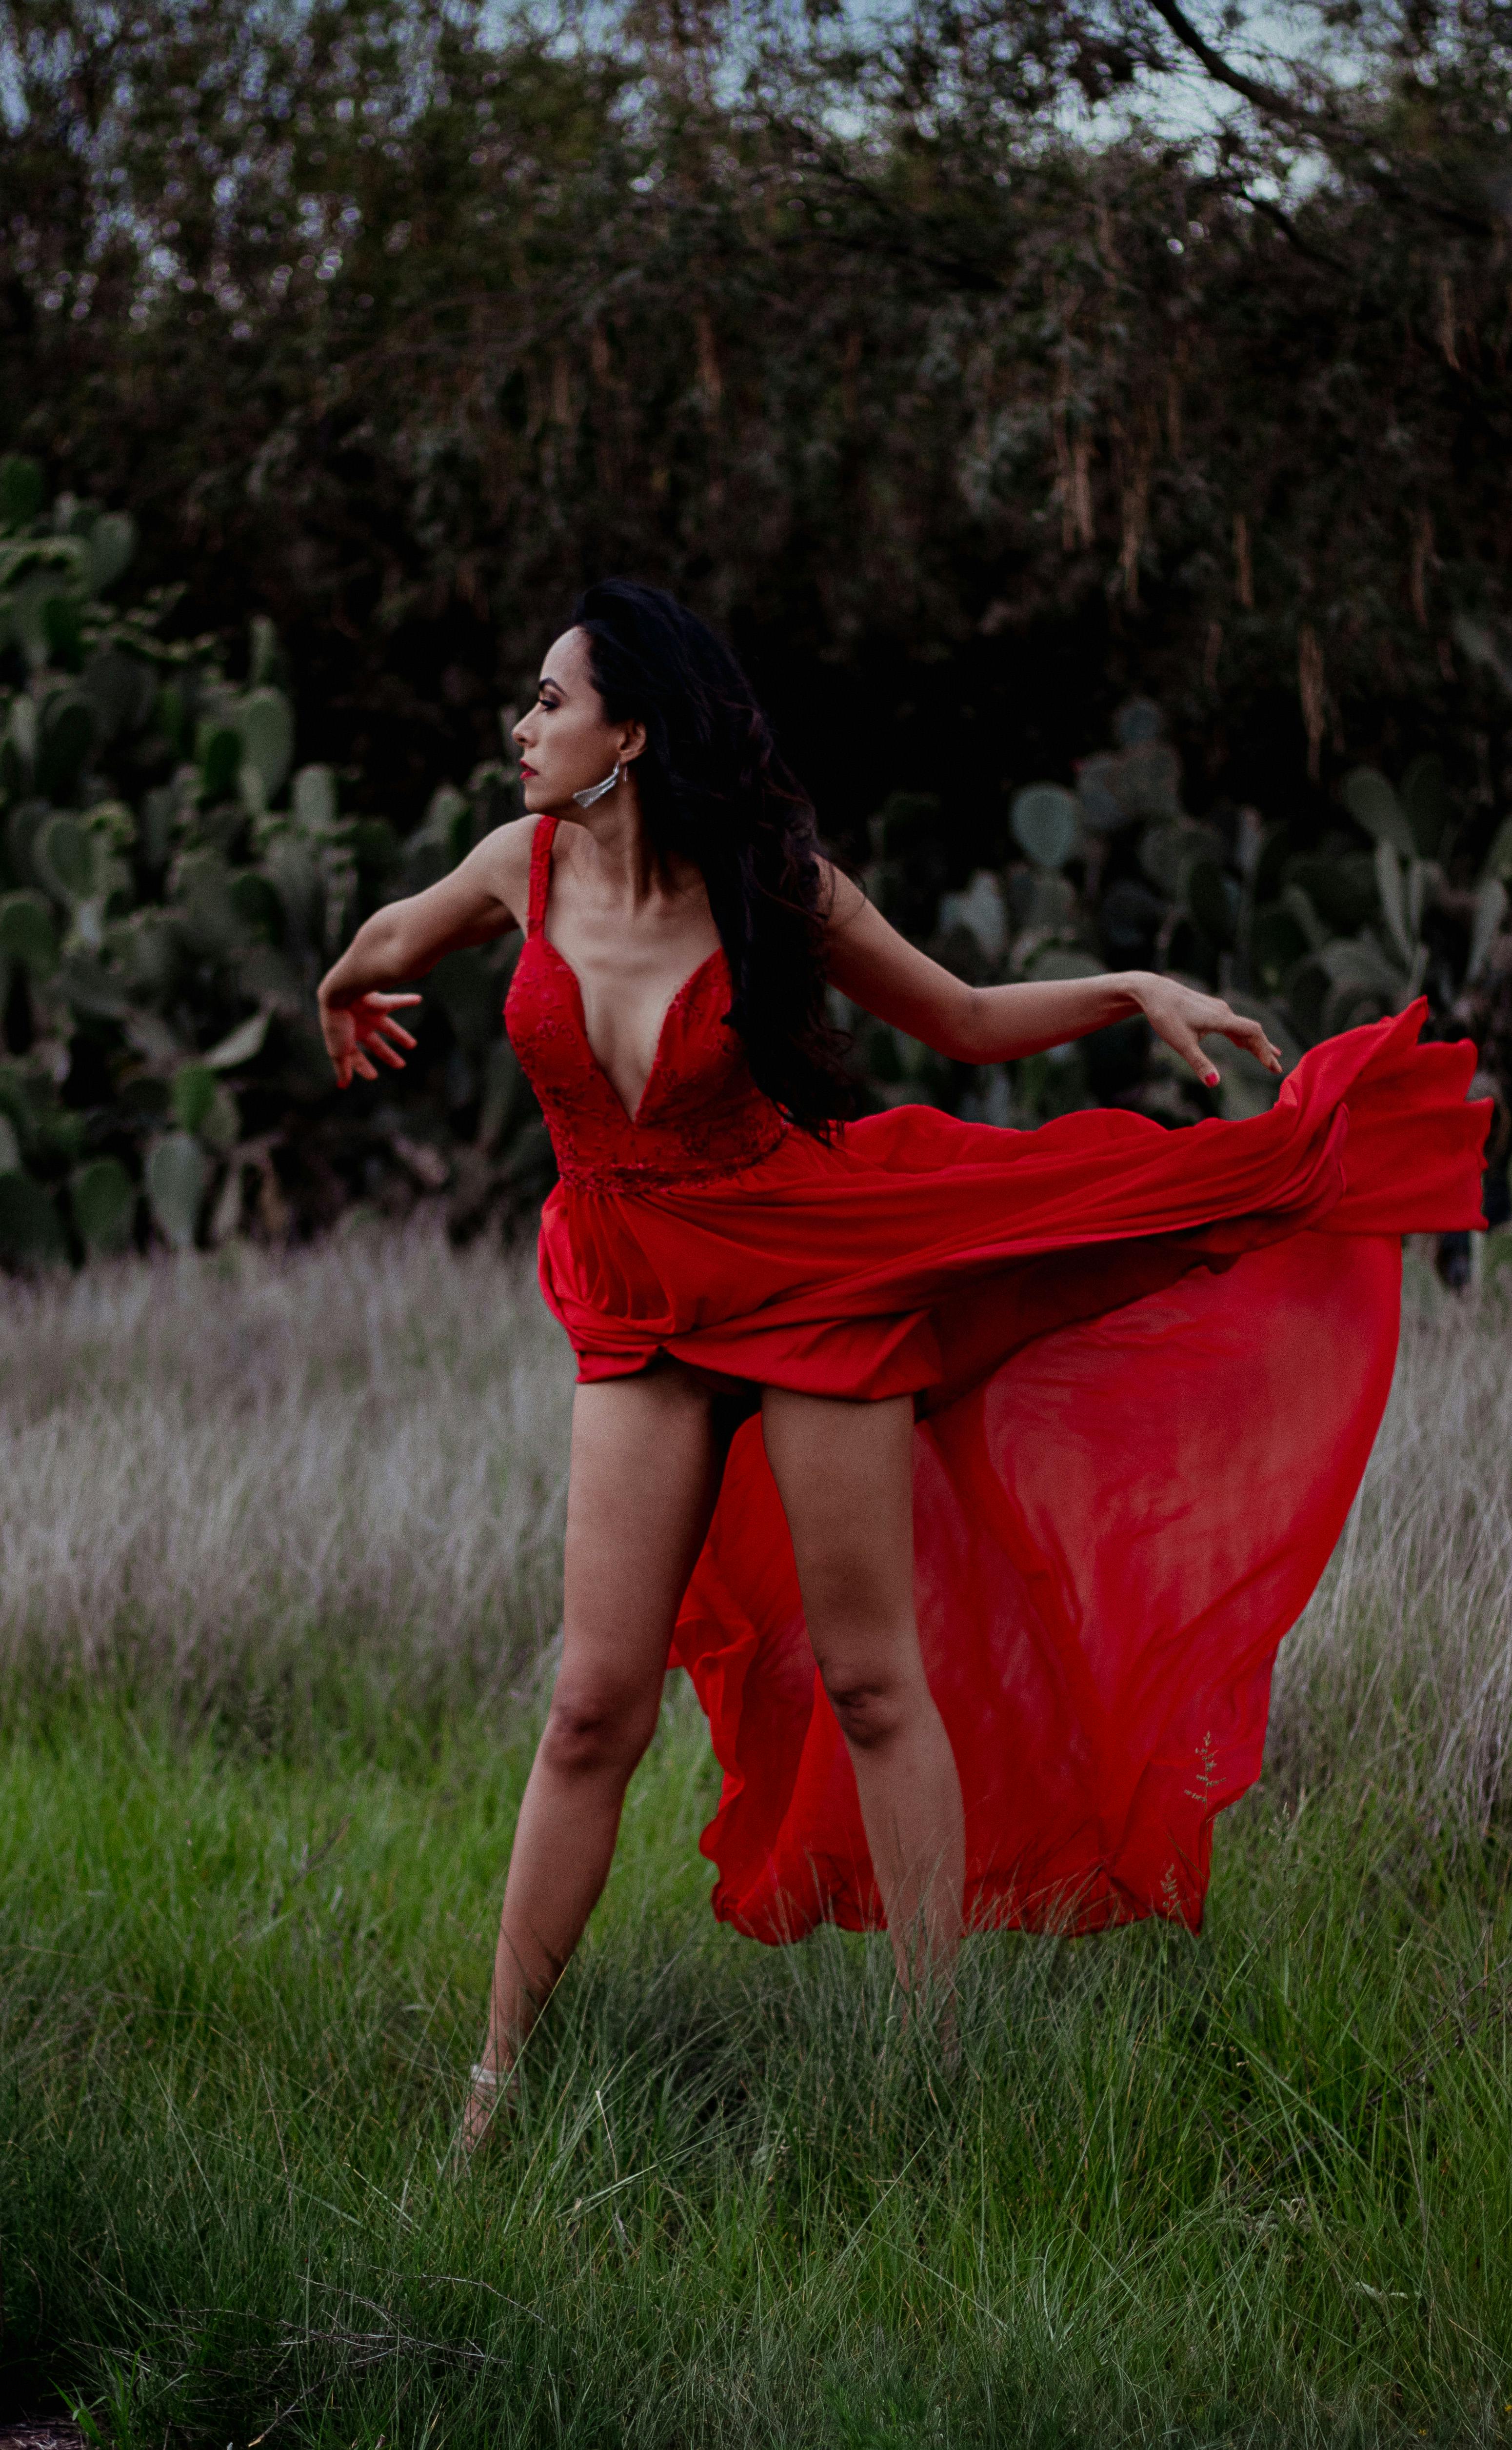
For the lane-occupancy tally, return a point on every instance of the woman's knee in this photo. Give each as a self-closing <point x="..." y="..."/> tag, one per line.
<point x="872" y="1706"/>
<point x="592" y="1728"/>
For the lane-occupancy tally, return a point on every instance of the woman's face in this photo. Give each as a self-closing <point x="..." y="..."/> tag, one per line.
<point x="565" y="742"/>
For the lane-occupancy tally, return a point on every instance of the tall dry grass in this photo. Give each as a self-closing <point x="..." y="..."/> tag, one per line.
<point x="212" y="1467"/>
<point x="1402" y="1666"/>
<point x="216" y="1471"/>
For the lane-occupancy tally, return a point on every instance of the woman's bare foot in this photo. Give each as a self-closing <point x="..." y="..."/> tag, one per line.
<point x="490" y="2098"/>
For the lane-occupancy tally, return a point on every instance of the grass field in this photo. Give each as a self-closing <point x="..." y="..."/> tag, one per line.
<point x="277" y="1577"/>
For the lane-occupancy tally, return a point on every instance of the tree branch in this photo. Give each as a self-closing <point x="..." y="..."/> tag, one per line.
<point x="1264" y="97"/>
<point x="1238" y="193"/>
<point x="1328" y="129"/>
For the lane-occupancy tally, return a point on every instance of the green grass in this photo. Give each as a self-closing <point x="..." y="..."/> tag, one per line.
<point x="1252" y="2186"/>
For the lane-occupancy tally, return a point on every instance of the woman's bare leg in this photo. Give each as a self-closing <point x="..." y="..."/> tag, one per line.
<point x="645" y="1463"/>
<point x="844" y="1473"/>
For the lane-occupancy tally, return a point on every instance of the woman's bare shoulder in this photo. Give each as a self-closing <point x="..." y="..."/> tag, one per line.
<point x="505" y="855"/>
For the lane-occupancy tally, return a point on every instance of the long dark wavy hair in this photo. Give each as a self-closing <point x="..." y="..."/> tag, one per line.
<point x="714" y="790"/>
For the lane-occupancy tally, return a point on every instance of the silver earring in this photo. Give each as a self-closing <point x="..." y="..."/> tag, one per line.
<point x="599" y="791"/>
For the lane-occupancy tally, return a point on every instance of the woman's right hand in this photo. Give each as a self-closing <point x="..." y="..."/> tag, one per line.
<point x="358" y="1029"/>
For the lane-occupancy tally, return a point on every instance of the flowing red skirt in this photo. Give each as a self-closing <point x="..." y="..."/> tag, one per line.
<point x="1148" y="1368"/>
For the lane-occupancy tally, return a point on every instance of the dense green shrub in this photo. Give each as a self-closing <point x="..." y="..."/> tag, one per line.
<point x="1312" y="935"/>
<point x="171" y="887"/>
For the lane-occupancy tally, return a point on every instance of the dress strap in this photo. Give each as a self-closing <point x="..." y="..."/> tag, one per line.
<point x="541" y="842"/>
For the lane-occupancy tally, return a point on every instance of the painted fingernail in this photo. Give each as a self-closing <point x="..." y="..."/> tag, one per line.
<point x="1211" y="1080"/>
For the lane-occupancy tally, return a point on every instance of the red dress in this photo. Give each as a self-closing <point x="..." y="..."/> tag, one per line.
<point x="1148" y="1368"/>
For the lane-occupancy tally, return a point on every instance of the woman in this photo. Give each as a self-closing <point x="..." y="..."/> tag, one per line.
<point x="1095" y="1398"/>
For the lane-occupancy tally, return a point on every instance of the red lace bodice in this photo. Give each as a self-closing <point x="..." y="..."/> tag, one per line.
<point x="700" y="1115"/>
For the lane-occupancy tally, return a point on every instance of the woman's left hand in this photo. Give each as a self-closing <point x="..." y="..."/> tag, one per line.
<point x="1183" y="1016"/>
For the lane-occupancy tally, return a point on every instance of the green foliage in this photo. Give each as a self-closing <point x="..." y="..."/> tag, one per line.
<point x="266" y="729"/>
<point x="176" y="1179"/>
<point x="171" y="887"/>
<point x="1045" y="824"/>
<point x="28" y="936"/>
<point x="1309" y="941"/>
<point x="970" y="412"/>
<point x="21" y="493"/>
<point x="1242" y="2188"/>
<point x="170" y="891"/>
<point x="1248" y="2188"/>
<point x="102" y="1201"/>
<point x="1374" y="805"/>
<point x="30" y="1231"/>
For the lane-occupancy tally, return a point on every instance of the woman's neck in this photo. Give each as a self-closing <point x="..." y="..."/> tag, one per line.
<point x="617" y="852"/>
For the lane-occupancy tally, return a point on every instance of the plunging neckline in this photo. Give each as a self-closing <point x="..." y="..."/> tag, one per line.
<point x="632" y="1116"/>
<point x="540" y="911"/>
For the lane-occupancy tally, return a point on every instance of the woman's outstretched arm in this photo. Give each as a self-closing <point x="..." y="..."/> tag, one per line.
<point x="478" y="900"/>
<point x="881" y="971"/>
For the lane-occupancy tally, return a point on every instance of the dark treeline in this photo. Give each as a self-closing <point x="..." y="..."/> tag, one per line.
<point x="966" y="420"/>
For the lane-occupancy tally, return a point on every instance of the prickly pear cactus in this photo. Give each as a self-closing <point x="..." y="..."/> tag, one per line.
<point x="1118" y="874"/>
<point x="171" y="887"/>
